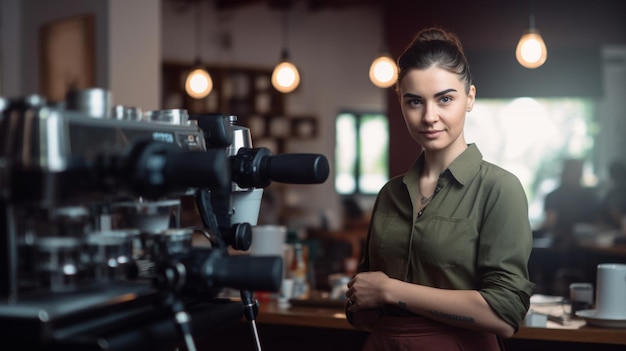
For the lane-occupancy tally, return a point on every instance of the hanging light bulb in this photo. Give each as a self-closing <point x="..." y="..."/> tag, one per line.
<point x="198" y="83"/>
<point x="531" y="50"/>
<point x="383" y="71"/>
<point x="285" y="77"/>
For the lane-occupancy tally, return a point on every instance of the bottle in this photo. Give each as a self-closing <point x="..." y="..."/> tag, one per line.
<point x="299" y="272"/>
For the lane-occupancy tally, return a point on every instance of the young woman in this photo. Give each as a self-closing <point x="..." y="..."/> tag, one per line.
<point x="445" y="261"/>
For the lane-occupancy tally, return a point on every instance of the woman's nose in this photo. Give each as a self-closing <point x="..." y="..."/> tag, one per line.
<point x="430" y="113"/>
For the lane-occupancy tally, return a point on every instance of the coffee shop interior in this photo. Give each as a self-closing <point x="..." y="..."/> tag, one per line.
<point x="535" y="122"/>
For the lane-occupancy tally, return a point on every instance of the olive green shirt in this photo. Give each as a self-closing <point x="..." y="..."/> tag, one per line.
<point x="474" y="234"/>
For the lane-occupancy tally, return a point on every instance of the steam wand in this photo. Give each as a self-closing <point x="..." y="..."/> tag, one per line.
<point x="251" y="309"/>
<point x="184" y="323"/>
<point x="173" y="277"/>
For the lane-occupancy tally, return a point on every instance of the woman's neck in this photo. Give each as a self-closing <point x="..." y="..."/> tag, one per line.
<point x="436" y="161"/>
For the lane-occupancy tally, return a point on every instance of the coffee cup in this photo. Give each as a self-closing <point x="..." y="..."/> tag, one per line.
<point x="246" y="206"/>
<point x="611" y="291"/>
<point x="286" y="291"/>
<point x="268" y="240"/>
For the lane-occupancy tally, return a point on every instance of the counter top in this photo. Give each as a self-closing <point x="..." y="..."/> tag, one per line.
<point x="271" y="312"/>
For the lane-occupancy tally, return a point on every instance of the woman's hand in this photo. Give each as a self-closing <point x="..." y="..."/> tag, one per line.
<point x="367" y="291"/>
<point x="365" y="294"/>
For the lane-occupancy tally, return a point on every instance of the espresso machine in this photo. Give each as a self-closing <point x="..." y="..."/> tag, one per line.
<point x="92" y="253"/>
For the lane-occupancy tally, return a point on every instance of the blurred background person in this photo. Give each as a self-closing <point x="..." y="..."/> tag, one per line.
<point x="569" y="204"/>
<point x="613" y="207"/>
<point x="571" y="210"/>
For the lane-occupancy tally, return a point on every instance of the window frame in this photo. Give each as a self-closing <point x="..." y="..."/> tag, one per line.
<point x="359" y="116"/>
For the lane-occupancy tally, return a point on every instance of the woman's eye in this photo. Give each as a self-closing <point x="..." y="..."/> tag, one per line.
<point x="414" y="102"/>
<point x="445" y="99"/>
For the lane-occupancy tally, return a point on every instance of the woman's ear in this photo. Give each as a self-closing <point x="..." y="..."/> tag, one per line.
<point x="471" y="97"/>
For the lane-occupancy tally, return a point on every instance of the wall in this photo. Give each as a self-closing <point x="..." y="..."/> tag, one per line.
<point x="127" y="46"/>
<point x="37" y="12"/>
<point x="134" y="31"/>
<point x="611" y="115"/>
<point x="10" y="39"/>
<point x="332" y="49"/>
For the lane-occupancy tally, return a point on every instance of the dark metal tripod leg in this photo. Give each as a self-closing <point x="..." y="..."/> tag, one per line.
<point x="250" y="311"/>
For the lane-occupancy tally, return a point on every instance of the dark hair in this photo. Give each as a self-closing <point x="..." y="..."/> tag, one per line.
<point x="435" y="46"/>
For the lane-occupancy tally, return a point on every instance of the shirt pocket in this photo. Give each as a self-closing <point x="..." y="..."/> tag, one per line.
<point x="448" y="242"/>
<point x="389" y="244"/>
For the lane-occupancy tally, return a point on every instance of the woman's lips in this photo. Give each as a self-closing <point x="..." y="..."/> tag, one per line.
<point x="431" y="134"/>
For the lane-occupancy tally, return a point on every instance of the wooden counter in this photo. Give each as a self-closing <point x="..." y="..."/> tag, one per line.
<point x="584" y="334"/>
<point x="326" y="317"/>
<point x="309" y="316"/>
<point x="283" y="327"/>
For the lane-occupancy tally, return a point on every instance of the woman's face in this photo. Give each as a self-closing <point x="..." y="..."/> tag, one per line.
<point x="434" y="103"/>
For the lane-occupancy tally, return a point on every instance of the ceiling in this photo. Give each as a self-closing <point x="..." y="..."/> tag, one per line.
<point x="312" y="4"/>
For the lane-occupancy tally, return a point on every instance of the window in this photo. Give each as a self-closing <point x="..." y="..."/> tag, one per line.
<point x="361" y="153"/>
<point x="531" y="136"/>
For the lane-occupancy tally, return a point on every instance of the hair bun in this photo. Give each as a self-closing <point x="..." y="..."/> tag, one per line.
<point x="436" y="33"/>
<point x="431" y="34"/>
<point x="434" y="46"/>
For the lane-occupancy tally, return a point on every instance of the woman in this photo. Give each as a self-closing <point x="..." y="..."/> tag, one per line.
<point x="445" y="261"/>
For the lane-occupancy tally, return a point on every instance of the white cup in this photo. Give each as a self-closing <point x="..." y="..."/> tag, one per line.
<point x="611" y="291"/>
<point x="286" y="291"/>
<point x="268" y="240"/>
<point x="536" y="319"/>
<point x="246" y="205"/>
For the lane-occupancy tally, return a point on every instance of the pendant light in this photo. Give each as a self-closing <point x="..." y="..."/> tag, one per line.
<point x="531" y="50"/>
<point x="383" y="70"/>
<point x="198" y="83"/>
<point x="285" y="77"/>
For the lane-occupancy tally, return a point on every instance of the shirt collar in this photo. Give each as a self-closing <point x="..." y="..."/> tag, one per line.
<point x="462" y="169"/>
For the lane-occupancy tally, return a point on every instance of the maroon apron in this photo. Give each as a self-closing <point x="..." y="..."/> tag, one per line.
<point x="416" y="333"/>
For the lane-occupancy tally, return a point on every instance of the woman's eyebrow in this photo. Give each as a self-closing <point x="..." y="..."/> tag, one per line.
<point x="415" y="96"/>
<point x="445" y="92"/>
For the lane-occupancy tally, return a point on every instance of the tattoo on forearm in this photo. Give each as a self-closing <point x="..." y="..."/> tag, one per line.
<point x="453" y="317"/>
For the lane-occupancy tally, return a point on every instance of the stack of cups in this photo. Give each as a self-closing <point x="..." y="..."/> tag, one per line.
<point x="268" y="240"/>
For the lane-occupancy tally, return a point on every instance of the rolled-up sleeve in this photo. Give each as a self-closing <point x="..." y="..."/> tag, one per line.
<point x="504" y="249"/>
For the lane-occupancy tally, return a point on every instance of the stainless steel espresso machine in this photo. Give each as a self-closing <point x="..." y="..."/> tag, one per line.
<point x="92" y="254"/>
